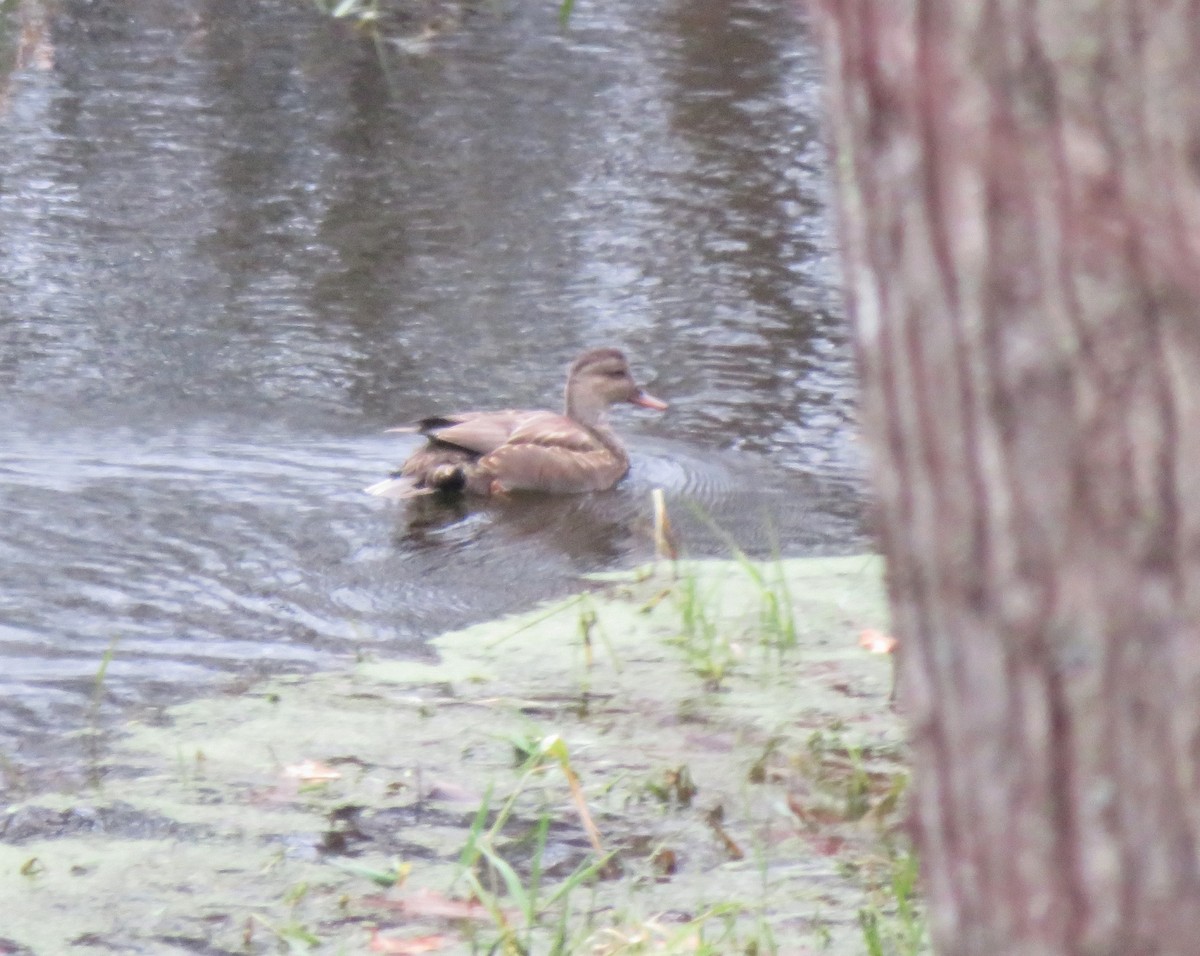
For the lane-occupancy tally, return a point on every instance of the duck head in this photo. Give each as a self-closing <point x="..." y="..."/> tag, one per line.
<point x="601" y="378"/>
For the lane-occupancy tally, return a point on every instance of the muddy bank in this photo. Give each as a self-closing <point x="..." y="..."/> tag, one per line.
<point x="701" y="760"/>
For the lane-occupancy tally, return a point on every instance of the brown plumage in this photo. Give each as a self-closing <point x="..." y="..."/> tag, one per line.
<point x="485" y="453"/>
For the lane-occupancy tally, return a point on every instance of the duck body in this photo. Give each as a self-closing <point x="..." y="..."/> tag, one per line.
<point x="494" y="452"/>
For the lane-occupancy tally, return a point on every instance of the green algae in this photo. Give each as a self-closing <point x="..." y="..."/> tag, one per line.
<point x="752" y="810"/>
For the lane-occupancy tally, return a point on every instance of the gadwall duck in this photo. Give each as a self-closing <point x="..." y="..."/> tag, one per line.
<point x="487" y="453"/>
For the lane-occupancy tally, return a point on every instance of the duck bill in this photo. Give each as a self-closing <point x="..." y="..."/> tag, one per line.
<point x="646" y="400"/>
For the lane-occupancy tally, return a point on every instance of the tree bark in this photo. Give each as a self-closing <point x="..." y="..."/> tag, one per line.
<point x="1020" y="210"/>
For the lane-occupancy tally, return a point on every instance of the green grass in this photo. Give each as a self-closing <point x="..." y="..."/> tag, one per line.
<point x="708" y="650"/>
<point x="761" y="819"/>
<point x="92" y="732"/>
<point x="541" y="912"/>
<point x="776" y="615"/>
<point x="893" y="925"/>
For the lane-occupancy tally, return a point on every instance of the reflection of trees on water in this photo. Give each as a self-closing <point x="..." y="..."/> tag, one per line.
<point x="743" y="98"/>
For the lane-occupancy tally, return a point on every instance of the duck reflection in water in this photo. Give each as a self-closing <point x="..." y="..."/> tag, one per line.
<point x="586" y="529"/>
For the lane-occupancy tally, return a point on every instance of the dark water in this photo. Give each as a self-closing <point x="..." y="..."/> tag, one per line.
<point x="235" y="245"/>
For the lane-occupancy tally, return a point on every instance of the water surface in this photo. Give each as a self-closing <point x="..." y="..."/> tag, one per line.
<point x="236" y="245"/>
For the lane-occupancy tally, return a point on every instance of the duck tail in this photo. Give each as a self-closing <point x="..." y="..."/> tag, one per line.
<point x="398" y="488"/>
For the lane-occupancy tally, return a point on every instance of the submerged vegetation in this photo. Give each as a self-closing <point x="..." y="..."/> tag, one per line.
<point x="695" y="758"/>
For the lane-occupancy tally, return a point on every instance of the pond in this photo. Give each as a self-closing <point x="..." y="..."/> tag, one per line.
<point x="238" y="242"/>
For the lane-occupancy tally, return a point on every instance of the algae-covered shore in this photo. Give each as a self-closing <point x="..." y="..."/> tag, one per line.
<point x="691" y="758"/>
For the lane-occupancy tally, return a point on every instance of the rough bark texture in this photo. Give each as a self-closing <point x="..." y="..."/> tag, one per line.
<point x="1018" y="182"/>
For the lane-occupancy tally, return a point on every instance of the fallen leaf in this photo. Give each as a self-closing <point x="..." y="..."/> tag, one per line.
<point x="876" y="641"/>
<point x="406" y="947"/>
<point x="430" y="903"/>
<point x="449" y="792"/>
<point x="311" y="771"/>
<point x="664" y="861"/>
<point x="811" y="812"/>
<point x="714" y="818"/>
<point x="829" y="845"/>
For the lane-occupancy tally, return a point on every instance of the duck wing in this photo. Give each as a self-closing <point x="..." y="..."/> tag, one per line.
<point x="551" y="453"/>
<point x="480" y="433"/>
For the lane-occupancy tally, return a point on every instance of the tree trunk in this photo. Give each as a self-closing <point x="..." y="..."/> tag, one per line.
<point x="1021" y="230"/>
